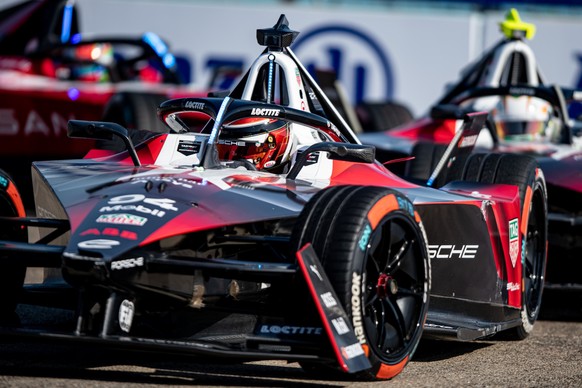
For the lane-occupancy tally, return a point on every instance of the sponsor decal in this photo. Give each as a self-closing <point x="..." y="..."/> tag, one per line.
<point x="328" y="299"/>
<point x="127" y="203"/>
<point x="405" y="205"/>
<point x="468" y="141"/>
<point x="122" y="219"/>
<point x="125" y="315"/>
<point x="481" y="195"/>
<point x="452" y="251"/>
<point x="334" y="129"/>
<point x="194" y="105"/>
<point x="357" y="307"/>
<point x="290" y="330"/>
<point x="297" y="76"/>
<point x="312" y="158"/>
<point x="164" y="203"/>
<point x="127" y="263"/>
<point x="340" y="326"/>
<point x="98" y="244"/>
<point x="363" y="243"/>
<point x="484" y="206"/>
<point x="188" y="147"/>
<point x="181" y="182"/>
<point x="314" y="269"/>
<point x="137" y="208"/>
<point x="520" y="91"/>
<point x="352" y="351"/>
<point x="34" y="123"/>
<point x="513" y="286"/>
<point x="234" y="142"/>
<point x="23" y="65"/>
<point x="265" y="112"/>
<point x="513" y="241"/>
<point x="114" y="232"/>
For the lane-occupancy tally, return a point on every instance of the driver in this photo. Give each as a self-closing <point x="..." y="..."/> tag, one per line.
<point x="265" y="143"/>
<point x="524" y="119"/>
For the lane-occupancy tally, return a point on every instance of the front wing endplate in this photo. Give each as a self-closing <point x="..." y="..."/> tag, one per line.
<point x="347" y="349"/>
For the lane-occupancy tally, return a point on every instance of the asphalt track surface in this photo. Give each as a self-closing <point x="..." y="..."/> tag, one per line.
<point x="550" y="357"/>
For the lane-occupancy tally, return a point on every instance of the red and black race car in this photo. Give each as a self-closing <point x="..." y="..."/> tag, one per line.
<point x="527" y="116"/>
<point x="271" y="233"/>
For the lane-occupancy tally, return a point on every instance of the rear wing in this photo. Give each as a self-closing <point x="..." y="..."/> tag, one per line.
<point x="460" y="147"/>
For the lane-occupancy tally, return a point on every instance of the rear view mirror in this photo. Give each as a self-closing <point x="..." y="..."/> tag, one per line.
<point x="104" y="131"/>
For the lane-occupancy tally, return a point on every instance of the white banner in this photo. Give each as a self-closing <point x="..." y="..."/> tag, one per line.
<point x="380" y="53"/>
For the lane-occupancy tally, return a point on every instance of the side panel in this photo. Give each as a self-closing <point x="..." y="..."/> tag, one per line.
<point x="462" y="260"/>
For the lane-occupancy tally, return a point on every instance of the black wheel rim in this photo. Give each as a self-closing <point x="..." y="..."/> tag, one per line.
<point x="533" y="269"/>
<point x="395" y="295"/>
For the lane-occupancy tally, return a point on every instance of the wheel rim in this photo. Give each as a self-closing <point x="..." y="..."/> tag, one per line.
<point x="534" y="259"/>
<point x="395" y="288"/>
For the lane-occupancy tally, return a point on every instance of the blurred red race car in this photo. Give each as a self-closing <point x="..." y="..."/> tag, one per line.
<point x="50" y="73"/>
<point x="527" y="116"/>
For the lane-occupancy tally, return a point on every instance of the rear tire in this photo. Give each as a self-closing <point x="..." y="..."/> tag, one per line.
<point x="521" y="170"/>
<point x="375" y="117"/>
<point x="426" y="157"/>
<point x="373" y="248"/>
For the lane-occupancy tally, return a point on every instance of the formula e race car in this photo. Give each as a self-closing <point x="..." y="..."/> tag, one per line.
<point x="527" y="116"/>
<point x="270" y="232"/>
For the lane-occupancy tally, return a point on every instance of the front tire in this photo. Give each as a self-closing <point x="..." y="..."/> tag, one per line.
<point x="373" y="248"/>
<point x="12" y="274"/>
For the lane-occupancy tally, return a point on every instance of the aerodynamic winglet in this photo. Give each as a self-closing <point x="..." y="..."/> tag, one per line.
<point x="349" y="353"/>
<point x="462" y="144"/>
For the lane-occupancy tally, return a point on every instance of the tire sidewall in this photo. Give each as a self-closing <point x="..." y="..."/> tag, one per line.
<point x="538" y="187"/>
<point x="355" y="305"/>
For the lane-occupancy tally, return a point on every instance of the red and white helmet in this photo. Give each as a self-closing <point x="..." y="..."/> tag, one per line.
<point x="264" y="142"/>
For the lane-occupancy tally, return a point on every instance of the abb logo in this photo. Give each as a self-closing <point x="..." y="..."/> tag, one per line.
<point x="111" y="232"/>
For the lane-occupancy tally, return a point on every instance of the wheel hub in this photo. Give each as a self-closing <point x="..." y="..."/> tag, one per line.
<point x="386" y="285"/>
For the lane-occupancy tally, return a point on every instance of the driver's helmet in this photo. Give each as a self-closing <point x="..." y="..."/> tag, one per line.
<point x="523" y="118"/>
<point x="265" y="143"/>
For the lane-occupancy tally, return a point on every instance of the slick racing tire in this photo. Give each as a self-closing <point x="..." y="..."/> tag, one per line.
<point x="12" y="275"/>
<point x="426" y="158"/>
<point x="381" y="116"/>
<point x="372" y="246"/>
<point x="521" y="170"/>
<point x="138" y="113"/>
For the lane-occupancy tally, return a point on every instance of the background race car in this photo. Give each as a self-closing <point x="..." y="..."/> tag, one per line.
<point x="51" y="73"/>
<point x="527" y="116"/>
<point x="272" y="233"/>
